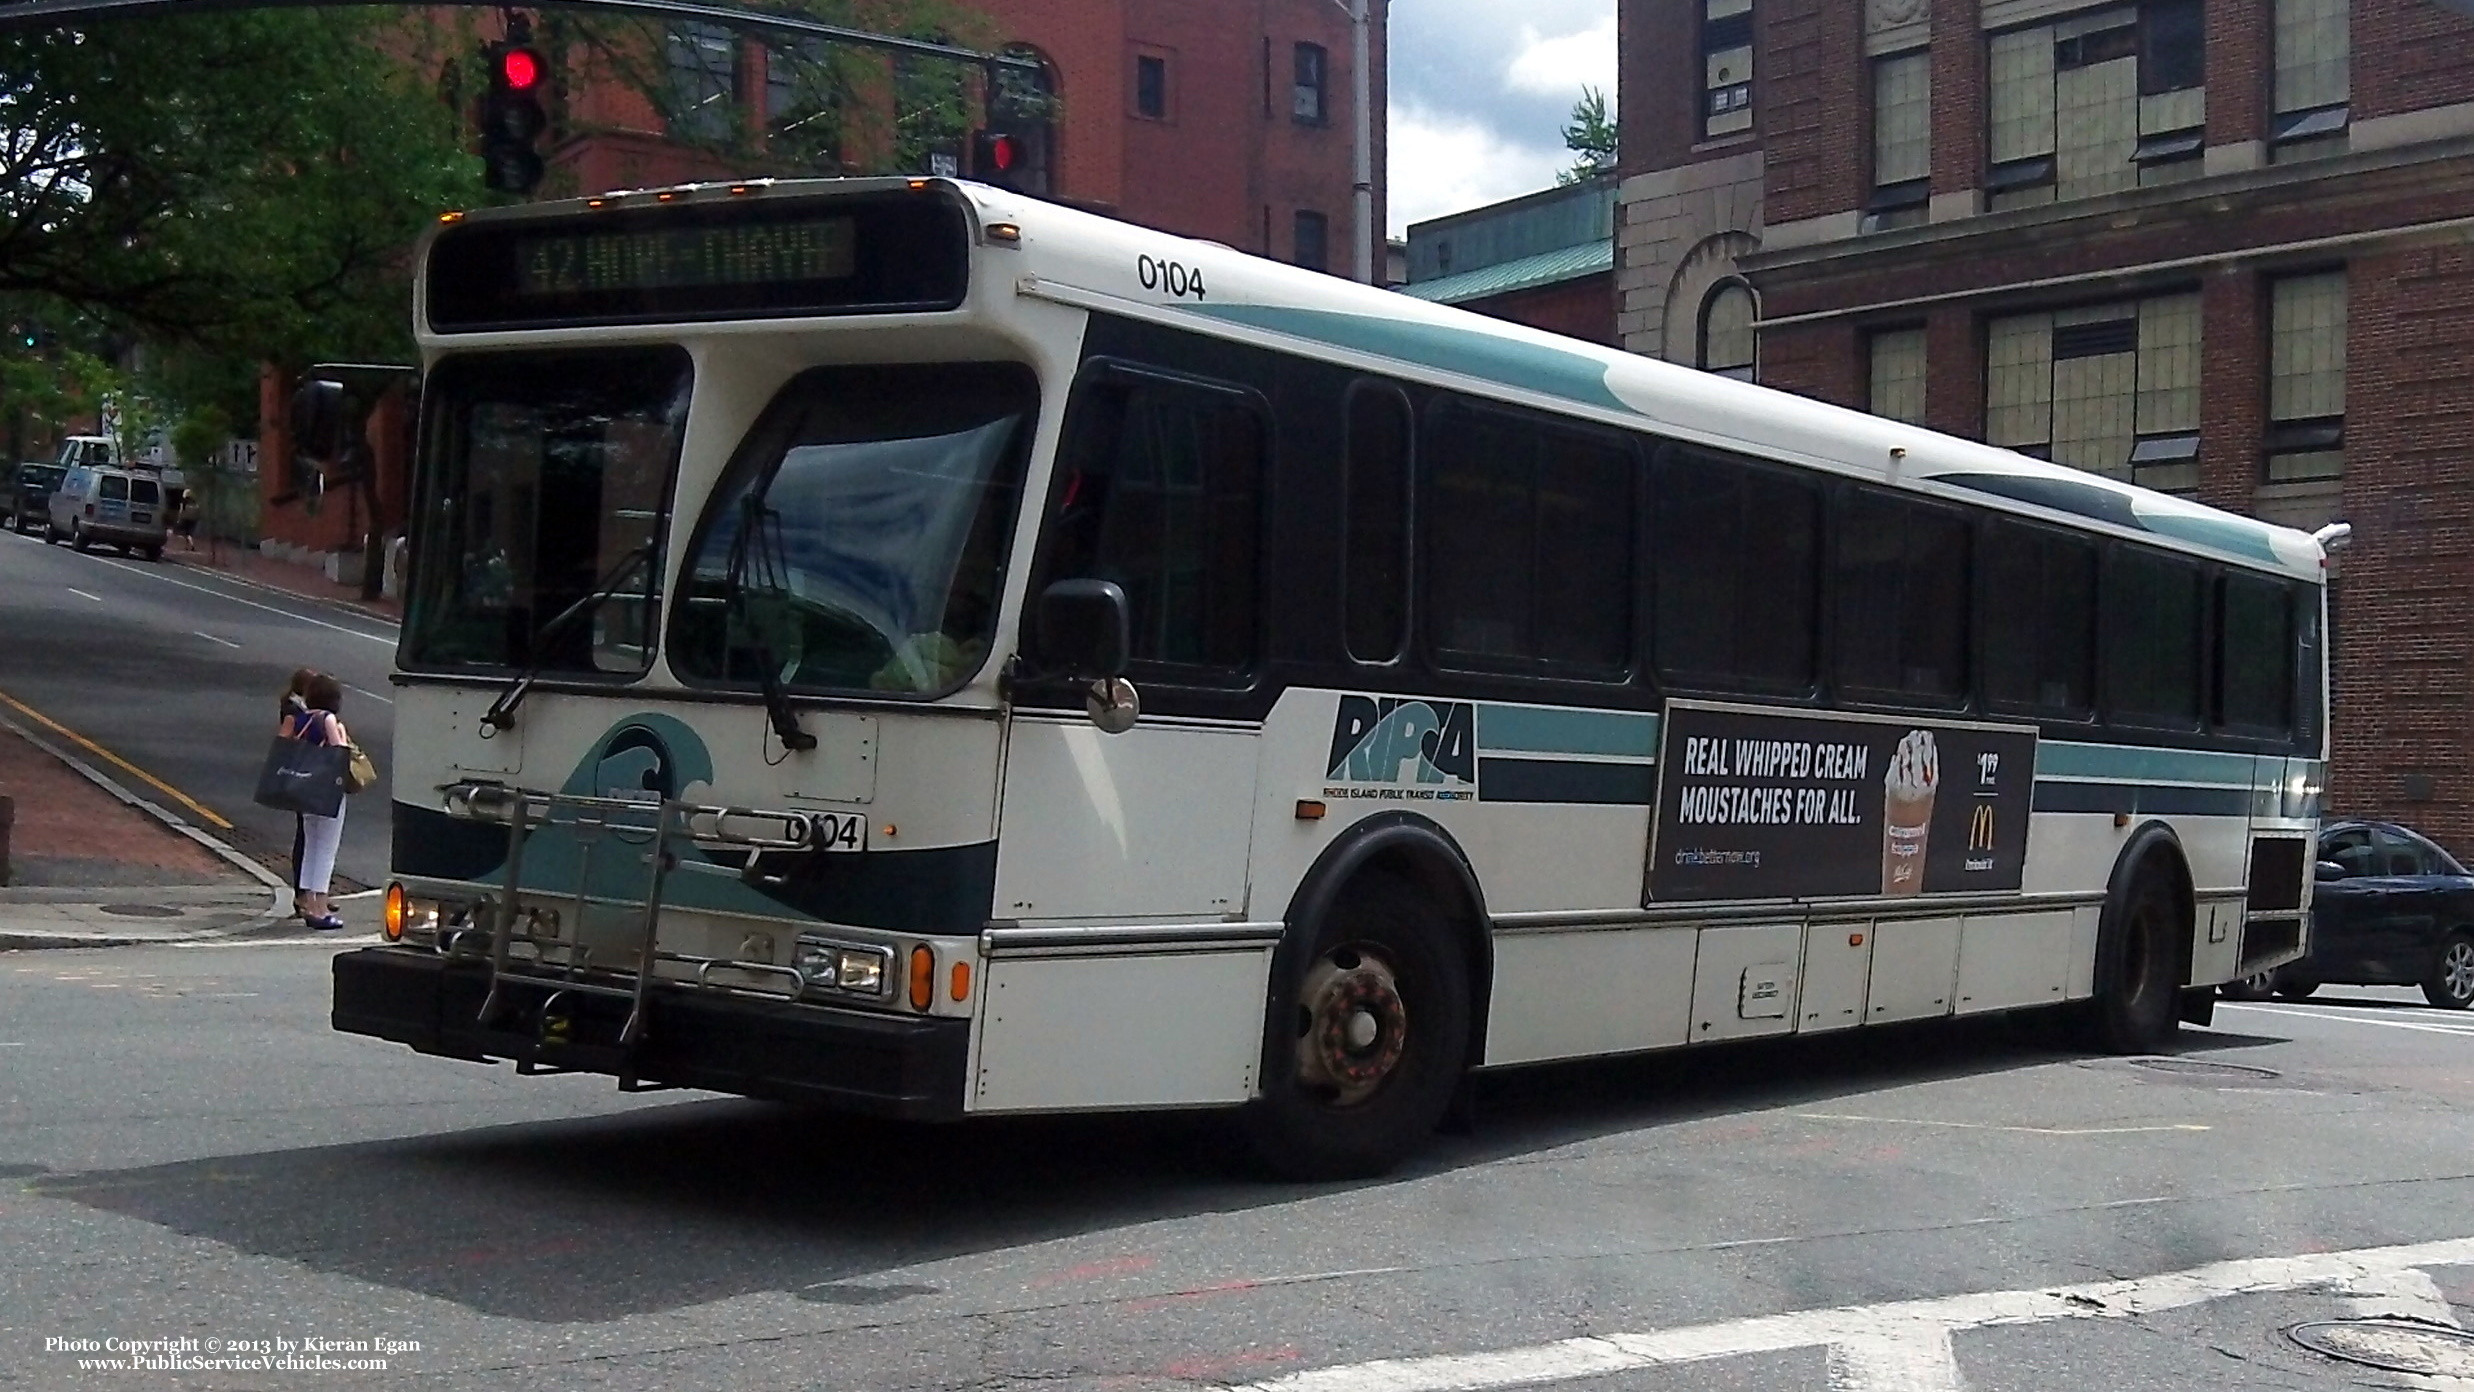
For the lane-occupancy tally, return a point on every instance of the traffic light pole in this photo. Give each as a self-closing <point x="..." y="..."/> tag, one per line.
<point x="22" y="14"/>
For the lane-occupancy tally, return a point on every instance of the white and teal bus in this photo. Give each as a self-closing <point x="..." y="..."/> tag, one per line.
<point x="904" y="645"/>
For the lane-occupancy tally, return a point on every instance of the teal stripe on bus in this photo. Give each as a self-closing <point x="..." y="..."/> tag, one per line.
<point x="1533" y="730"/>
<point x="2134" y="764"/>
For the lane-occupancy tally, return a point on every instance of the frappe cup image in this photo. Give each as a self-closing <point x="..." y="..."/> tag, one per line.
<point x="1907" y="812"/>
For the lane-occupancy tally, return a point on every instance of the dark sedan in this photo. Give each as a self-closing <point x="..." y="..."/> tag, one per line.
<point x="2389" y="909"/>
<point x="30" y="497"/>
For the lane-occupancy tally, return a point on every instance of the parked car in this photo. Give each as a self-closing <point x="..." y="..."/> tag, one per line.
<point x="2388" y="908"/>
<point x="30" y="496"/>
<point x="118" y="507"/>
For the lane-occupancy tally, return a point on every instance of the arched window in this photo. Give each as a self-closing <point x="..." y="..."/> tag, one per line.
<point x="1726" y="330"/>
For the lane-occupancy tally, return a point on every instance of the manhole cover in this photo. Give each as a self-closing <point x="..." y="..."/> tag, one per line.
<point x="2201" y="1067"/>
<point x="139" y="910"/>
<point x="2398" y="1346"/>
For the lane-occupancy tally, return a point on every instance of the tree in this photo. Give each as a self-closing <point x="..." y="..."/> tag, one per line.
<point x="1590" y="135"/>
<point x="248" y="181"/>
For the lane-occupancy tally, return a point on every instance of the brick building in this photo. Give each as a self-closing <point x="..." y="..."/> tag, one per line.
<point x="1545" y="259"/>
<point x="1230" y="122"/>
<point x="2217" y="247"/>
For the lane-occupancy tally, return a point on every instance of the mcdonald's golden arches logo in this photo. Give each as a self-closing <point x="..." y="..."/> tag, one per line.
<point x="1980" y="828"/>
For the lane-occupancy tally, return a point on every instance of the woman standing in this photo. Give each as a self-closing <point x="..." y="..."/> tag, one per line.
<point x="316" y="721"/>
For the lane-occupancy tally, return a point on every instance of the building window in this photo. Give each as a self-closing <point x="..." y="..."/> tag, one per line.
<point x="1313" y="241"/>
<point x="1902" y="141"/>
<point x="2096" y="103"/>
<point x="2306" y="378"/>
<point x="2113" y="389"/>
<point x="1726" y="66"/>
<point x="1151" y="86"/>
<point x="1307" y="107"/>
<point x="1898" y="375"/>
<point x="2314" y="58"/>
<point x="704" y="80"/>
<point x="1727" y="342"/>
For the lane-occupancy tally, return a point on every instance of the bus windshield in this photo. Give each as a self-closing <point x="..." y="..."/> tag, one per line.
<point x="545" y="480"/>
<point x="883" y="499"/>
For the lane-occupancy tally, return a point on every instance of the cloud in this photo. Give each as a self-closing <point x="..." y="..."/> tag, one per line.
<point x="1442" y="163"/>
<point x="1561" y="67"/>
<point x="1480" y="94"/>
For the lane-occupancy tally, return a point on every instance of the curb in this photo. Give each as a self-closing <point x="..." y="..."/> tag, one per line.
<point x="279" y="902"/>
<point x="361" y="608"/>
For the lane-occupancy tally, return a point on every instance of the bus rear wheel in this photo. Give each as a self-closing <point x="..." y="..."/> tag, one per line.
<point x="2138" y="977"/>
<point x="1367" y="1041"/>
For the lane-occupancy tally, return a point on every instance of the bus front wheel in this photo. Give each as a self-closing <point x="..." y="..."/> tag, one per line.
<point x="2138" y="969"/>
<point x="1367" y="1042"/>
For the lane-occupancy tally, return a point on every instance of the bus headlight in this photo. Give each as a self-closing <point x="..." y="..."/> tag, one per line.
<point x="844" y="967"/>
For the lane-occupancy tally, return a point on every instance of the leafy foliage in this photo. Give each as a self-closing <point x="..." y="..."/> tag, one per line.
<point x="247" y="180"/>
<point x="1590" y="135"/>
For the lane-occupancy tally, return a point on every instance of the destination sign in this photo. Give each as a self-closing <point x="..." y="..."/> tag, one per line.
<point x="758" y="258"/>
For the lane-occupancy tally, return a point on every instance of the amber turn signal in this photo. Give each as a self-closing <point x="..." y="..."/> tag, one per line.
<point x="923" y="977"/>
<point x="395" y="913"/>
<point x="962" y="981"/>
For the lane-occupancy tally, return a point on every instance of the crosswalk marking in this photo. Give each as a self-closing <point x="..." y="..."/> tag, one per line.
<point x="2388" y="1019"/>
<point x="1903" y="1346"/>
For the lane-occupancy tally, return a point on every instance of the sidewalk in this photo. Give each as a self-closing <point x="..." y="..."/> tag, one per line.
<point x="93" y="865"/>
<point x="236" y="562"/>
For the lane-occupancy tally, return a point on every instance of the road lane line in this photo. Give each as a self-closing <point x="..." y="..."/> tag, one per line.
<point x="211" y="638"/>
<point x="236" y="599"/>
<point x="2012" y="1128"/>
<point x="81" y="594"/>
<point x="2352" y="1018"/>
<point x="211" y="817"/>
<point x="382" y="700"/>
<point x="1889" y="1343"/>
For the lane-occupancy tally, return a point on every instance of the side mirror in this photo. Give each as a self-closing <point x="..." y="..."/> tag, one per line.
<point x="1084" y="629"/>
<point x="318" y="420"/>
<point x="2327" y="870"/>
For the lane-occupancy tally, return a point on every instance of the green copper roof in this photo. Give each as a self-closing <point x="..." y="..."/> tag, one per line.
<point x="1527" y="273"/>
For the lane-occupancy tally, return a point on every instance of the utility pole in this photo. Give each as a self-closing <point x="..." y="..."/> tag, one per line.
<point x="1362" y="164"/>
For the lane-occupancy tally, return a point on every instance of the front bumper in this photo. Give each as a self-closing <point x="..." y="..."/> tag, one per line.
<point x="885" y="1064"/>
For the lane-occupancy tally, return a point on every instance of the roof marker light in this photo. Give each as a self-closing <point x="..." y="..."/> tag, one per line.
<point x="451" y="217"/>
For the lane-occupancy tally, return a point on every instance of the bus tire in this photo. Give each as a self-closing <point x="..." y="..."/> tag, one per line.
<point x="2138" y="965"/>
<point x="1367" y="1040"/>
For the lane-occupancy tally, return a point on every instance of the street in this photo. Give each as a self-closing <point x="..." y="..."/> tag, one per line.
<point x="177" y="670"/>
<point x="190" y="1153"/>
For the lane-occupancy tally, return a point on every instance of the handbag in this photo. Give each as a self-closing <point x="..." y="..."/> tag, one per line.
<point x="359" y="769"/>
<point x="302" y="777"/>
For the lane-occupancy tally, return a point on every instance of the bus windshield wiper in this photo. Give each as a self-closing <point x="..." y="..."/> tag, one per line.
<point x="501" y="715"/>
<point x="753" y="514"/>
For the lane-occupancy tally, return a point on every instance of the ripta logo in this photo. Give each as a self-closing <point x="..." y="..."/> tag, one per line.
<point x="1377" y="741"/>
<point x="635" y="766"/>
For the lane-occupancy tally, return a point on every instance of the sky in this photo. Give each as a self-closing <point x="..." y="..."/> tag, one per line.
<point x="1481" y="90"/>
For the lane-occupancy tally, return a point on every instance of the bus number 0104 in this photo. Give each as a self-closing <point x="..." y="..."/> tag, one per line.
<point x="838" y="831"/>
<point x="1178" y="279"/>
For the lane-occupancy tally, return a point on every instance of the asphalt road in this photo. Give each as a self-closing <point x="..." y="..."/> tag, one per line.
<point x="187" y="1152"/>
<point x="177" y="671"/>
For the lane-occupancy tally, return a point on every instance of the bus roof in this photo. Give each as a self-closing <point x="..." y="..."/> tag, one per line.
<point x="1098" y="263"/>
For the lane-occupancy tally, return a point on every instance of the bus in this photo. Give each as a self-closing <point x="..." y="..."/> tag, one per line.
<point x="907" y="646"/>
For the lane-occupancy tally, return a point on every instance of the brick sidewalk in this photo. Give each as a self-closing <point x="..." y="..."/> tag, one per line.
<point x="70" y="833"/>
<point x="245" y="564"/>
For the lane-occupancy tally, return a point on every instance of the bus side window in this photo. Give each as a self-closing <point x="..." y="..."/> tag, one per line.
<point x="1162" y="494"/>
<point x="2038" y="610"/>
<point x="2152" y="639"/>
<point x="2255" y="655"/>
<point x="1376" y="580"/>
<point x="1528" y="545"/>
<point x="1735" y="551"/>
<point x="1900" y="591"/>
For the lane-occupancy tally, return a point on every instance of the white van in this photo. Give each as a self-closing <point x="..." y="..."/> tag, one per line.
<point x="126" y="508"/>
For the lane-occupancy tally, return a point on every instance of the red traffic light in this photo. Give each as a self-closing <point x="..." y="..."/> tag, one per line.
<point x="1004" y="153"/>
<point x="519" y="69"/>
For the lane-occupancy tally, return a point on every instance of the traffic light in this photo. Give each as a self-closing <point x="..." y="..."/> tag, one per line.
<point x="1011" y="159"/>
<point x="512" y="118"/>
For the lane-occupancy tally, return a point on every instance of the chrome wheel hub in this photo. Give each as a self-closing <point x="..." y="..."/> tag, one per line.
<point x="1351" y="1026"/>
